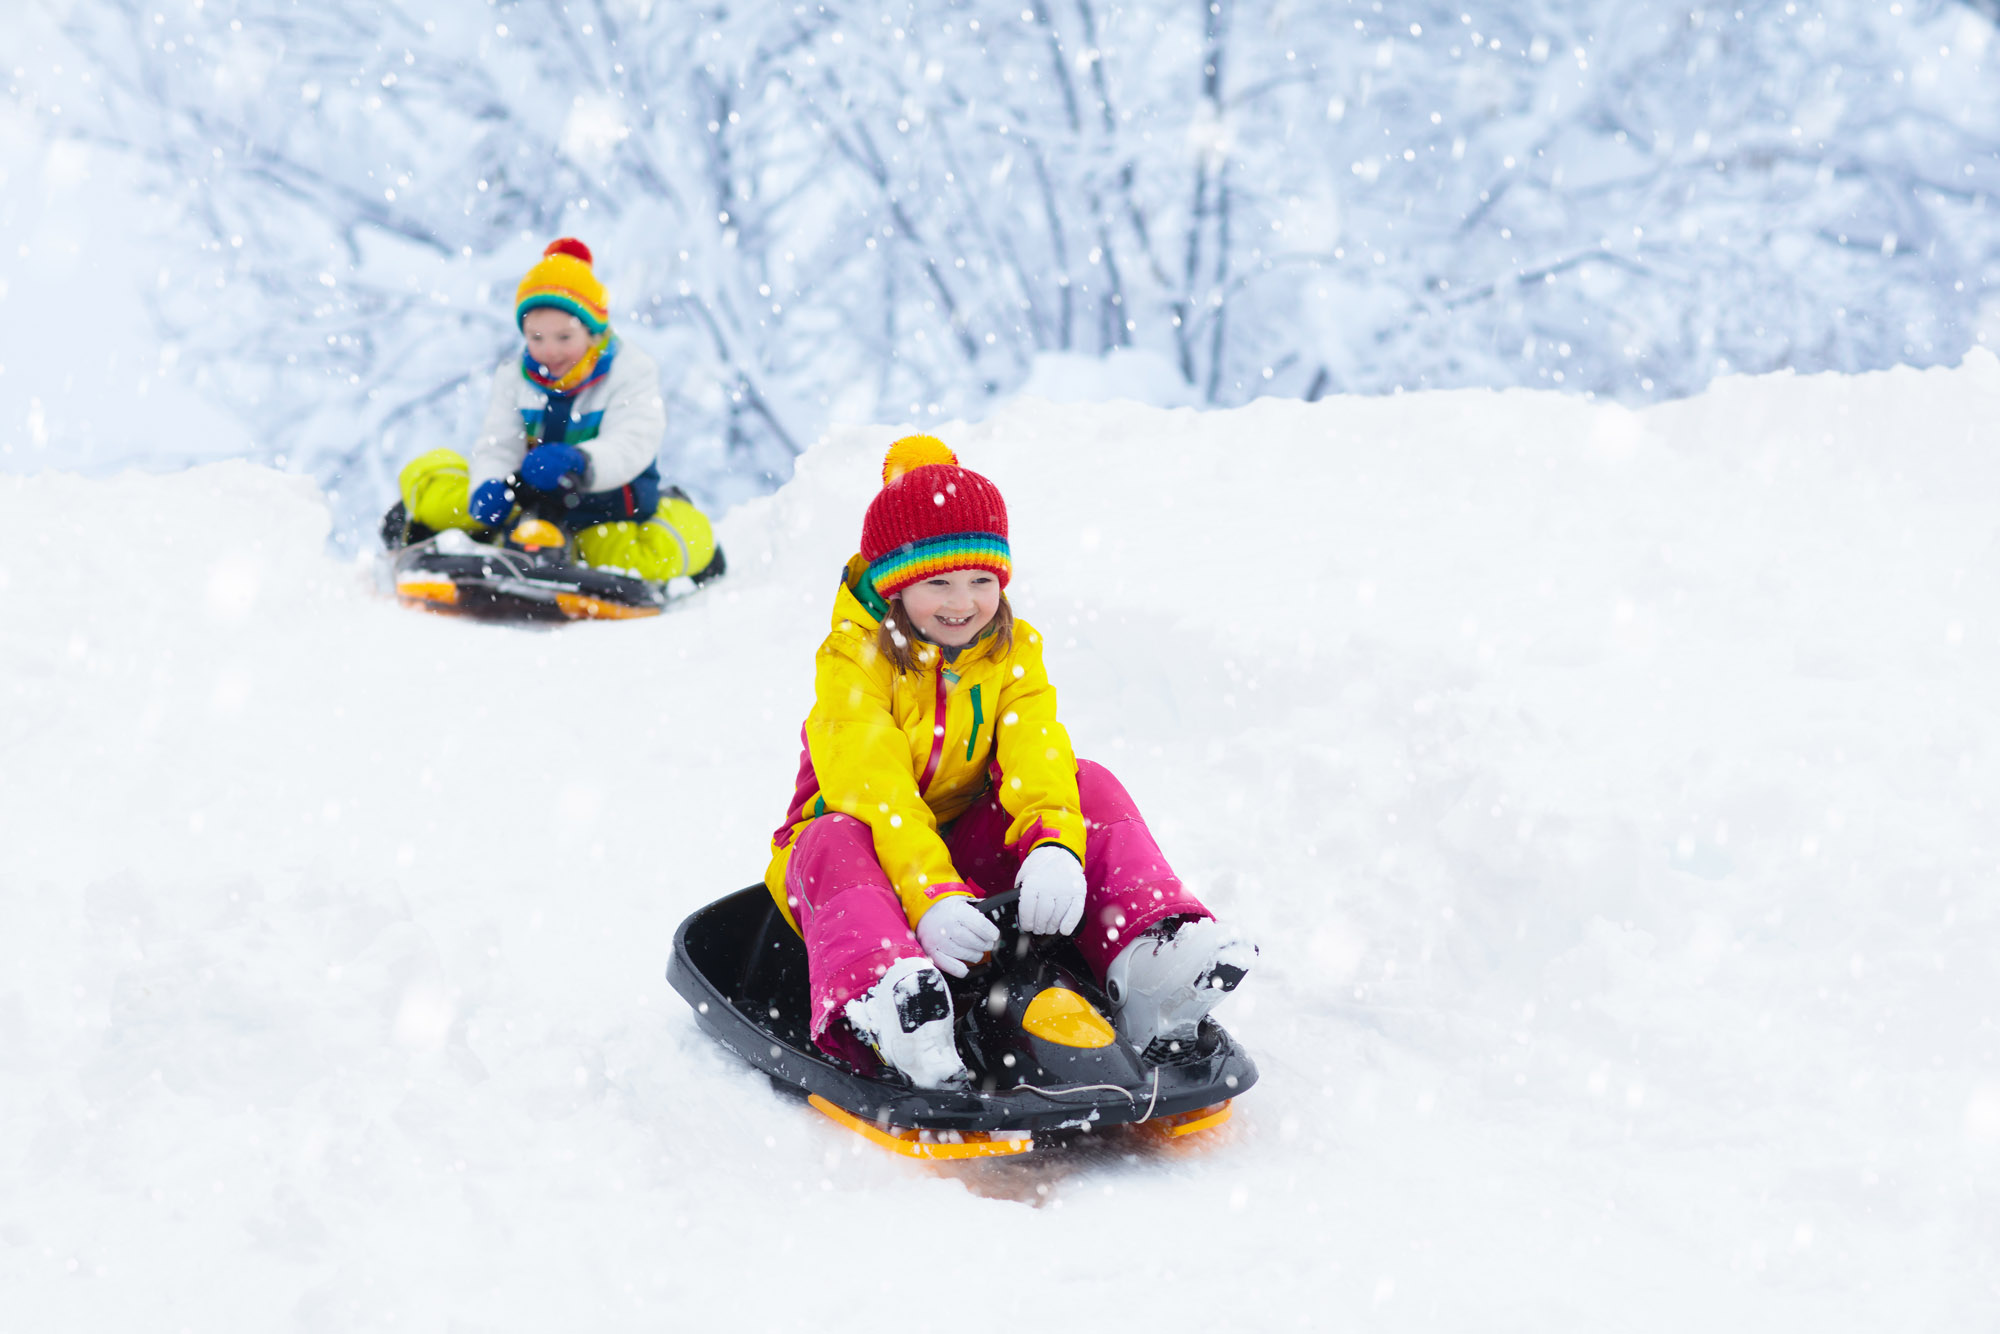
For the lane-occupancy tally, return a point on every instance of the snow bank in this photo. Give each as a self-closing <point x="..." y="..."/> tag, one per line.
<point x="1612" y="792"/>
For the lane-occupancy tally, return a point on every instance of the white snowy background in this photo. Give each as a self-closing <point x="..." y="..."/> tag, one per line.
<point x="897" y="210"/>
<point x="1612" y="788"/>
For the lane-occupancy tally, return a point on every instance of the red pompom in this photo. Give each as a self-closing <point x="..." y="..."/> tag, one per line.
<point x="569" y="245"/>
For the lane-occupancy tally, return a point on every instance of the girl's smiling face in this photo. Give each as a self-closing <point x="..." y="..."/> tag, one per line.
<point x="557" y="340"/>
<point x="952" y="608"/>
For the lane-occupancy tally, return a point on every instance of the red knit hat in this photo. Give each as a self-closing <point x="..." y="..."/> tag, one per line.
<point x="931" y="517"/>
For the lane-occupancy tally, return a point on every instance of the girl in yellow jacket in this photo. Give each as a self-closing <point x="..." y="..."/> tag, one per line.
<point x="935" y="772"/>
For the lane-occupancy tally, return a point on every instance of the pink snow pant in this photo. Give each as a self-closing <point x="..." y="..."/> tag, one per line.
<point x="855" y="928"/>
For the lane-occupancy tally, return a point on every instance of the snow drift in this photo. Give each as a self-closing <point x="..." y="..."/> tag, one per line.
<point x="1612" y="792"/>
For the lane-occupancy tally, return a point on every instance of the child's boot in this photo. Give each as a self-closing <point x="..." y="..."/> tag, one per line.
<point x="434" y="488"/>
<point x="906" y="1019"/>
<point x="676" y="541"/>
<point x="1168" y="979"/>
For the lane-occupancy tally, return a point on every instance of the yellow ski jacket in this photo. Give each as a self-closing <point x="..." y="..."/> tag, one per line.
<point x="908" y="752"/>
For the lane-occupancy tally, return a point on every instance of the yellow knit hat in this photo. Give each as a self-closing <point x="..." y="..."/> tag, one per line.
<point x="562" y="279"/>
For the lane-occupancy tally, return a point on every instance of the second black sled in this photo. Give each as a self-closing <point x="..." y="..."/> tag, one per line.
<point x="1031" y="1024"/>
<point x="528" y="573"/>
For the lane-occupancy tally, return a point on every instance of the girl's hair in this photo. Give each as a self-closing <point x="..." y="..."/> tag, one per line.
<point x="897" y="639"/>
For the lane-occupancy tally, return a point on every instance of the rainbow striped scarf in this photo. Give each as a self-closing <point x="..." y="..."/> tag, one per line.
<point x="594" y="366"/>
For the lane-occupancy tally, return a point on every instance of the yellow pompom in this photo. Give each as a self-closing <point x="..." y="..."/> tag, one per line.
<point x="915" y="451"/>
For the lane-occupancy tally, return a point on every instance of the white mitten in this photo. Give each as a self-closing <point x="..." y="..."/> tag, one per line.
<point x="1051" y="885"/>
<point x="954" y="934"/>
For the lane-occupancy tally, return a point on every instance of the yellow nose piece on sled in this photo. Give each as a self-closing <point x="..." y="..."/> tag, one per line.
<point x="1061" y="1016"/>
<point x="536" y="533"/>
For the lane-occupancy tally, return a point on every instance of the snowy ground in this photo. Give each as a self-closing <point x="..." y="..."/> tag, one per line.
<point x="1613" y="794"/>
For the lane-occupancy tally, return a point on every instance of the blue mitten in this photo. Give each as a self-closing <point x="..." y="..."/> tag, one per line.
<point x="491" y="503"/>
<point x="546" y="467"/>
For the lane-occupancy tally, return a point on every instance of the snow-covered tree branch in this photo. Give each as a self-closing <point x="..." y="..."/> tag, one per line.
<point x="871" y="210"/>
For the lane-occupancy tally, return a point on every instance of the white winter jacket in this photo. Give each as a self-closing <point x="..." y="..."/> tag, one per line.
<point x="619" y="421"/>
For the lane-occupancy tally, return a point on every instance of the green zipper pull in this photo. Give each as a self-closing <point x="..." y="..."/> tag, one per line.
<point x="978" y="717"/>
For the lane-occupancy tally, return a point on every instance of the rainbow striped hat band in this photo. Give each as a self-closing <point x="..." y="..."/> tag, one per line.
<point x="932" y="517"/>
<point x="933" y="556"/>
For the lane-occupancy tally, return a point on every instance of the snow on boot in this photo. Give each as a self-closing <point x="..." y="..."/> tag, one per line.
<point x="906" y="1019"/>
<point x="1170" y="977"/>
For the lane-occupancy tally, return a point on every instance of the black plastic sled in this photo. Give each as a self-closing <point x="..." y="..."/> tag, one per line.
<point x="529" y="573"/>
<point x="1031" y="1026"/>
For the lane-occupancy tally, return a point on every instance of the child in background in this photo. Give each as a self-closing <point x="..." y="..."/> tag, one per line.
<point x="935" y="772"/>
<point x="575" y="422"/>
